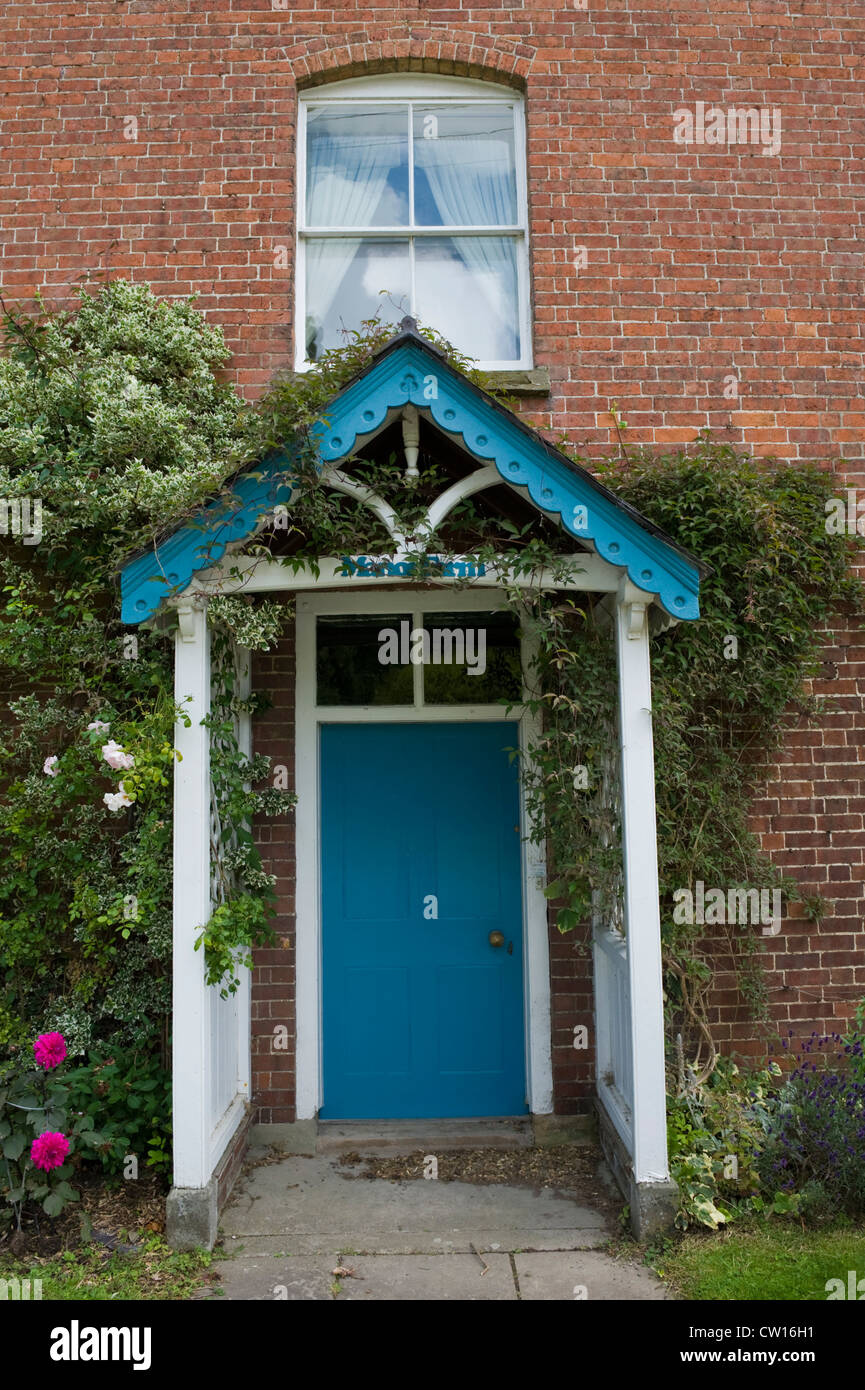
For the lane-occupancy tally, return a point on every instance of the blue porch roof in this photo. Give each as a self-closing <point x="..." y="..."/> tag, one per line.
<point x="407" y="371"/>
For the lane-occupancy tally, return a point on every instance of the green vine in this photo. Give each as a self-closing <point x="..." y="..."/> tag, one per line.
<point x="243" y="893"/>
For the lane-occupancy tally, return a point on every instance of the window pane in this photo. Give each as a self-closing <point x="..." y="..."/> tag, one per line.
<point x="357" y="166"/>
<point x="348" y="666"/>
<point x="466" y="287"/>
<point x="465" y="173"/>
<point x="345" y="278"/>
<point x="474" y="659"/>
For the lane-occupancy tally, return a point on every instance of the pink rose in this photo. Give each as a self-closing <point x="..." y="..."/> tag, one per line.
<point x="98" y="726"/>
<point x="114" y="800"/>
<point x="49" y="1150"/>
<point x="49" y="1050"/>
<point x="49" y="768"/>
<point x="116" y="758"/>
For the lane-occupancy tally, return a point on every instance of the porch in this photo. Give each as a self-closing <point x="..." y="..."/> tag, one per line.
<point x="213" y="1061"/>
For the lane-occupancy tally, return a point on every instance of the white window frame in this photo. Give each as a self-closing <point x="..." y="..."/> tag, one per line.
<point x="400" y="89"/>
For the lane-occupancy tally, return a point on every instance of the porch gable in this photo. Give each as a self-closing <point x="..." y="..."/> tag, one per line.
<point x="410" y="372"/>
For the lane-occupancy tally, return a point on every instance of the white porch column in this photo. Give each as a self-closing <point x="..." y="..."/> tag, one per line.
<point x="641" y="910"/>
<point x="191" y="1012"/>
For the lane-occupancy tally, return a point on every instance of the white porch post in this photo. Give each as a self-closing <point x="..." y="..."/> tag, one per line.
<point x="191" y="1061"/>
<point x="641" y="910"/>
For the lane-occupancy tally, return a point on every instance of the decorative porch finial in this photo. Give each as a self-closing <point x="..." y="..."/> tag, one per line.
<point x="410" y="441"/>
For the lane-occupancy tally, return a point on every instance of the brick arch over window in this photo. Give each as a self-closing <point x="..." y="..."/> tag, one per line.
<point x="463" y="54"/>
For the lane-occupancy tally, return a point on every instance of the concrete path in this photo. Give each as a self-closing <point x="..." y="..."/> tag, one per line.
<point x="302" y="1227"/>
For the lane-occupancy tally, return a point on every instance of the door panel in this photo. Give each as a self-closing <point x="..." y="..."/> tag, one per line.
<point x="422" y="1015"/>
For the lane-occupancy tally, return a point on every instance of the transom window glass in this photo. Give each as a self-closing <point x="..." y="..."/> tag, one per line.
<point x="414" y="203"/>
<point x="418" y="659"/>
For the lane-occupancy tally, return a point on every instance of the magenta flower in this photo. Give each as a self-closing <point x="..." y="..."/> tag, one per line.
<point x="49" y="1050"/>
<point x="49" y="1150"/>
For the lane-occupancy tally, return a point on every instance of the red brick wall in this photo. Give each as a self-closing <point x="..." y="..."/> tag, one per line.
<point x="273" y="979"/>
<point x="572" y="1004"/>
<point x="702" y="260"/>
<point x="810" y="821"/>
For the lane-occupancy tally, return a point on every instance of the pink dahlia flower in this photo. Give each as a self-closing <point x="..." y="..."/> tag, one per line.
<point x="49" y="1050"/>
<point x="49" y="1150"/>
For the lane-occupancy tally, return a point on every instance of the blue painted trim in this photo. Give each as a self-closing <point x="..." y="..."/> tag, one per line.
<point x="167" y="569"/>
<point x="414" y="374"/>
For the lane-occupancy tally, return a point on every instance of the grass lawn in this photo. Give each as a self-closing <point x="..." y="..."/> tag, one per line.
<point x="762" y="1262"/>
<point x="89" y="1272"/>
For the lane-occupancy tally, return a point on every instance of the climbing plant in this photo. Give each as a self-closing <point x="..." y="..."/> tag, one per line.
<point x="113" y="415"/>
<point x="113" y="425"/>
<point x="720" y="706"/>
<point x="243" y="894"/>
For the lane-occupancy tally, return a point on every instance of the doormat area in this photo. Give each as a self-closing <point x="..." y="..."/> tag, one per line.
<point x="572" y="1169"/>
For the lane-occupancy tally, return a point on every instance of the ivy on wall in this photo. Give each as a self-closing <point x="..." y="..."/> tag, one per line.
<point x="725" y="690"/>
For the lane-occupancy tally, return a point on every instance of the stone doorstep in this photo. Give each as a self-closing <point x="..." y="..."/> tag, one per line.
<point x="433" y="1136"/>
<point x="399" y="1137"/>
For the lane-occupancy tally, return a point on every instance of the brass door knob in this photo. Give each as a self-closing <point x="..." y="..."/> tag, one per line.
<point x="497" y="938"/>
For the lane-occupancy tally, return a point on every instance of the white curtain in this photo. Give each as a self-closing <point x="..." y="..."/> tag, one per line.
<point x="471" y="179"/>
<point x="472" y="182"/>
<point x="346" y="179"/>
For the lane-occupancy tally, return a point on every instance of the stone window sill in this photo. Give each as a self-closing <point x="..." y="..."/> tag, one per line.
<point x="522" y="382"/>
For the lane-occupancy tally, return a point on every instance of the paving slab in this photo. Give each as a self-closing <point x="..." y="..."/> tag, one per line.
<point x="399" y="1278"/>
<point x="309" y="1205"/>
<point x="277" y="1279"/>
<point x="584" y="1274"/>
<point x="294" y="1219"/>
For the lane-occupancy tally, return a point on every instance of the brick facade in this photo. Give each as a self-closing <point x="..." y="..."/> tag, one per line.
<point x="154" y="139"/>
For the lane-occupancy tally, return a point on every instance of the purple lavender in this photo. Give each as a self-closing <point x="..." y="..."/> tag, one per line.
<point x="817" y="1139"/>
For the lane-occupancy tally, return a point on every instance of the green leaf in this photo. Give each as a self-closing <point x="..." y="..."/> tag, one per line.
<point x="53" y="1204"/>
<point x="14" y="1146"/>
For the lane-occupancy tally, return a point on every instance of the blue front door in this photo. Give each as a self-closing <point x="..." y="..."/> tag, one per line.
<point x="420" y="851"/>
